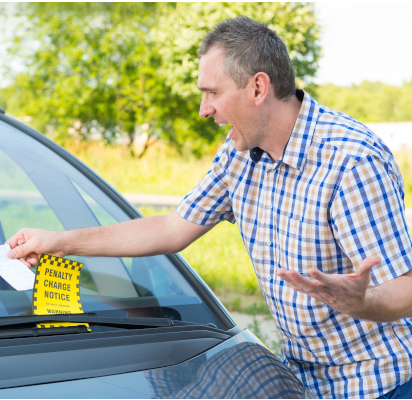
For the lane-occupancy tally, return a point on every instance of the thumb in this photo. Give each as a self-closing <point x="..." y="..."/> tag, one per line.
<point x="19" y="251"/>
<point x="367" y="264"/>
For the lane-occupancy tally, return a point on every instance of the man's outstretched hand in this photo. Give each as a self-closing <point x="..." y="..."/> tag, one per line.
<point x="27" y="245"/>
<point x="346" y="293"/>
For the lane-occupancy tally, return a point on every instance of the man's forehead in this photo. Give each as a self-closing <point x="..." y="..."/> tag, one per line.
<point x="211" y="70"/>
<point x="213" y="52"/>
<point x="210" y="61"/>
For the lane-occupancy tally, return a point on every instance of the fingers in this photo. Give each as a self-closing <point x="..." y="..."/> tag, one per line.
<point x="370" y="262"/>
<point x="299" y="282"/>
<point x="314" y="289"/>
<point x="365" y="268"/>
<point x="33" y="258"/>
<point x="328" y="285"/>
<point x="290" y="278"/>
<point x="20" y="251"/>
<point x="23" y="243"/>
<point x="13" y="241"/>
<point x="27" y="264"/>
<point x="324" y="279"/>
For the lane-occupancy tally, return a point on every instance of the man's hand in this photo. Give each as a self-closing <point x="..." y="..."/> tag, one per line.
<point x="28" y="245"/>
<point x="345" y="293"/>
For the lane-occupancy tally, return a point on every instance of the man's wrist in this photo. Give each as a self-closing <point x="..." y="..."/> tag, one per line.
<point x="369" y="306"/>
<point x="66" y="243"/>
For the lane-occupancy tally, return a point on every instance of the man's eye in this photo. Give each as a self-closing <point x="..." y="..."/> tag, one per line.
<point x="213" y="93"/>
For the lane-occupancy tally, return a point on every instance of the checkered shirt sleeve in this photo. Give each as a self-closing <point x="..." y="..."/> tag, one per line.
<point x="367" y="218"/>
<point x="209" y="201"/>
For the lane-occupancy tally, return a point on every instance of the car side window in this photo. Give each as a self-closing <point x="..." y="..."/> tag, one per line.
<point x="21" y="203"/>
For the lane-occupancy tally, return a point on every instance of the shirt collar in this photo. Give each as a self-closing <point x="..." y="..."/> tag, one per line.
<point x="297" y="148"/>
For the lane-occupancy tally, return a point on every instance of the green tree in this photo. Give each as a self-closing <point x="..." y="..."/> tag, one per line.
<point x="92" y="69"/>
<point x="118" y="68"/>
<point x="369" y="101"/>
<point x="182" y="32"/>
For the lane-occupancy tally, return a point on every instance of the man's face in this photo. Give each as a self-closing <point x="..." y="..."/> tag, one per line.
<point x="224" y="102"/>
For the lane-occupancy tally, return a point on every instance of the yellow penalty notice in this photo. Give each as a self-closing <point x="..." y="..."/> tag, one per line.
<point x="57" y="289"/>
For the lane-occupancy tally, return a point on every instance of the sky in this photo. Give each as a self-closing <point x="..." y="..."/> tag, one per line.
<point x="365" y="41"/>
<point x="360" y="41"/>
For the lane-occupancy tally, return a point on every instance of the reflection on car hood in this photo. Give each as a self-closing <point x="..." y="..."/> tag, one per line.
<point x="238" y="368"/>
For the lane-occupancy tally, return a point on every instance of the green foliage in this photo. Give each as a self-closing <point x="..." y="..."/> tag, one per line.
<point x="115" y="68"/>
<point x="92" y="68"/>
<point x="369" y="101"/>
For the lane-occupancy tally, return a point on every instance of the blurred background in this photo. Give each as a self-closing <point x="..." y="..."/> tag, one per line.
<point x="116" y="84"/>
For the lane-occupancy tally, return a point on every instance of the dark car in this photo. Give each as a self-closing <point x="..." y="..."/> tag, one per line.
<point x="156" y="329"/>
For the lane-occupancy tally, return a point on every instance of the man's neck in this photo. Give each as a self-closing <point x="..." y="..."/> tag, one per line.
<point x="282" y="121"/>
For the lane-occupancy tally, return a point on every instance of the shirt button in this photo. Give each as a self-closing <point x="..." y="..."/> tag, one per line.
<point x="270" y="206"/>
<point x="268" y="242"/>
<point x="269" y="277"/>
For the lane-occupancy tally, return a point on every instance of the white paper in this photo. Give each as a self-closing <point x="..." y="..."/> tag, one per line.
<point x="14" y="272"/>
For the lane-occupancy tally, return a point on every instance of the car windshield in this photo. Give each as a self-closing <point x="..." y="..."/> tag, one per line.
<point x="39" y="189"/>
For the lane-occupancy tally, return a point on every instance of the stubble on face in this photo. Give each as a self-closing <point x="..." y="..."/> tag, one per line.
<point x="247" y="132"/>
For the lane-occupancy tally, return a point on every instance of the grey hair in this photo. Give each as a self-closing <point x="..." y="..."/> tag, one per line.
<point x="250" y="47"/>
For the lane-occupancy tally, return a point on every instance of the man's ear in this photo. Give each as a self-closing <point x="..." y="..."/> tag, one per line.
<point x="261" y="87"/>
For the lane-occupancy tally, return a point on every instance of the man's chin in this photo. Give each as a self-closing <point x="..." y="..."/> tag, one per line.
<point x="240" y="146"/>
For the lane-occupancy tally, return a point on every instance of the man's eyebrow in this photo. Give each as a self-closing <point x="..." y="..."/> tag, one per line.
<point x="205" y="89"/>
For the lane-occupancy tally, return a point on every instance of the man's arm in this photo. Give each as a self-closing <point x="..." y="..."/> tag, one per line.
<point x="350" y="294"/>
<point x="366" y="216"/>
<point x="139" y="237"/>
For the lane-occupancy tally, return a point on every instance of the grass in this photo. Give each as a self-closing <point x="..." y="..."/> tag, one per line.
<point x="160" y="171"/>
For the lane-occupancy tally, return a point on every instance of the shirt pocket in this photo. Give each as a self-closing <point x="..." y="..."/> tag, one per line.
<point x="295" y="245"/>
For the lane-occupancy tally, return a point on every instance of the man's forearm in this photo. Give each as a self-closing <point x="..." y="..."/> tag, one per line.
<point x="140" y="237"/>
<point x="390" y="301"/>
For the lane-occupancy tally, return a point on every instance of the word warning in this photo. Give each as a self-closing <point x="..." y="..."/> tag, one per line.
<point x="56" y="289"/>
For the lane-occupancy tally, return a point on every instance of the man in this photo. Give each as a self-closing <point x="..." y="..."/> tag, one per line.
<point x="315" y="195"/>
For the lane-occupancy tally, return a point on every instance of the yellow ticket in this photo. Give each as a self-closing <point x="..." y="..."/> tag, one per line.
<point x="57" y="289"/>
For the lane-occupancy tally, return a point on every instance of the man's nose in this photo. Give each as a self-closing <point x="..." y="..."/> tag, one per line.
<point x="206" y="109"/>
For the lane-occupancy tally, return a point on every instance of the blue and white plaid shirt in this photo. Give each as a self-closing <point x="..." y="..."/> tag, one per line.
<point x="334" y="198"/>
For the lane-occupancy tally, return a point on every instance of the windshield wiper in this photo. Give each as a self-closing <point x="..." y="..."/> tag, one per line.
<point x="34" y="332"/>
<point x="89" y="318"/>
